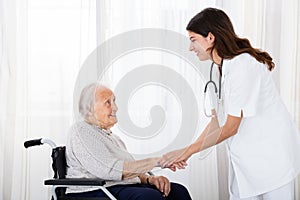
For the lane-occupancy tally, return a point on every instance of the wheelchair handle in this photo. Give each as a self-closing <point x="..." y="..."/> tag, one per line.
<point x="31" y="143"/>
<point x="40" y="141"/>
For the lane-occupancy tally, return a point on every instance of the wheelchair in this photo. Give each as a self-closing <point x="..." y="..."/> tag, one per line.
<point x="59" y="181"/>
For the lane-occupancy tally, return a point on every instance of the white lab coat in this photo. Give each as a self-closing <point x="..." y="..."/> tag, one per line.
<point x="265" y="152"/>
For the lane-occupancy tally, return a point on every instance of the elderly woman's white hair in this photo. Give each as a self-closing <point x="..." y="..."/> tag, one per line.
<point x="87" y="100"/>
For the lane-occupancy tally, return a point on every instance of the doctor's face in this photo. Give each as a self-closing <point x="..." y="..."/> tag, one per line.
<point x="105" y="108"/>
<point x="199" y="45"/>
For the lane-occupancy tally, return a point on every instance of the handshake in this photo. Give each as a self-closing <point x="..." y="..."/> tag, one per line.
<point x="175" y="159"/>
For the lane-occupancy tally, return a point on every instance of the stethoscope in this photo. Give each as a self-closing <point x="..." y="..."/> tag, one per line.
<point x="211" y="82"/>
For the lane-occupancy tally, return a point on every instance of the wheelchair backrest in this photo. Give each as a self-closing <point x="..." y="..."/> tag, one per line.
<point x="59" y="163"/>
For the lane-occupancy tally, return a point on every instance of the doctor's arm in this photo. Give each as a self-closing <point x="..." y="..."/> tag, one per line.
<point x="212" y="135"/>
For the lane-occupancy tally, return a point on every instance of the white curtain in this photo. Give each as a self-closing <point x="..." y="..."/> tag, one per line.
<point x="13" y="105"/>
<point x="290" y="62"/>
<point x="45" y="45"/>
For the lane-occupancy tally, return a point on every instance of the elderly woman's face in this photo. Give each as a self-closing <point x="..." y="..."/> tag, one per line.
<point x="105" y="108"/>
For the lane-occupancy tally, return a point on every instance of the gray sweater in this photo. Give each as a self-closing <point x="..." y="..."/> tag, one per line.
<point x="91" y="153"/>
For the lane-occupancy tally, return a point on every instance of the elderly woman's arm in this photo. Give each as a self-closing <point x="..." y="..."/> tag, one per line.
<point x="133" y="169"/>
<point x="103" y="159"/>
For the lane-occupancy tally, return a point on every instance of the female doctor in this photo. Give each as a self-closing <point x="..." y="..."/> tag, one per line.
<point x="263" y="143"/>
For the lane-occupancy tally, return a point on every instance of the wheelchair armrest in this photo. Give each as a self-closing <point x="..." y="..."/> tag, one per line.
<point x="76" y="181"/>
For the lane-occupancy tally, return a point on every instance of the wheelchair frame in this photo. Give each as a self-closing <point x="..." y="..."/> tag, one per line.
<point x="59" y="166"/>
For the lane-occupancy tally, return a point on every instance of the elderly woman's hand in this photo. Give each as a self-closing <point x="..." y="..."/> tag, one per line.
<point x="177" y="165"/>
<point x="176" y="158"/>
<point x="161" y="183"/>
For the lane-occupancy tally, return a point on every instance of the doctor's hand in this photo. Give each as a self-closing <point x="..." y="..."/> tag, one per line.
<point x="161" y="183"/>
<point x="177" y="165"/>
<point x="176" y="159"/>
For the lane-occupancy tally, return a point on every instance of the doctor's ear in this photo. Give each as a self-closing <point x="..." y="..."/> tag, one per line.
<point x="210" y="37"/>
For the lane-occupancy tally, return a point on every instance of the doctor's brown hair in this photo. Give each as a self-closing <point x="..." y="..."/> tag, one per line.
<point x="227" y="43"/>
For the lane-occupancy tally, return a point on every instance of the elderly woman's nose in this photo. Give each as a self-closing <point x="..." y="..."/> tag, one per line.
<point x="115" y="107"/>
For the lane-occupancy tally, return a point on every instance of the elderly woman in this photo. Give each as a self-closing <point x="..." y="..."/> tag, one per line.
<point x="94" y="151"/>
